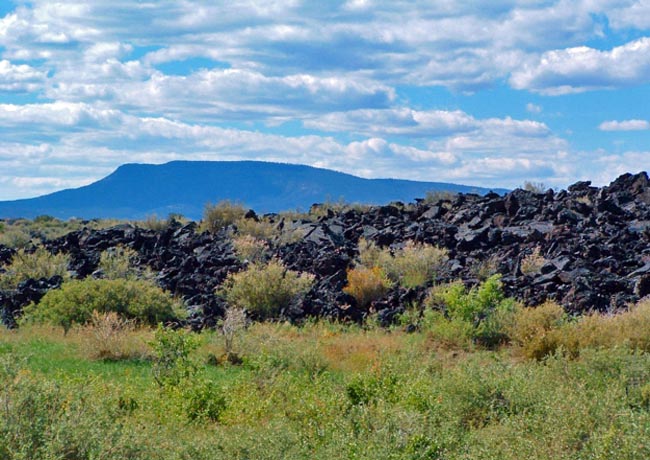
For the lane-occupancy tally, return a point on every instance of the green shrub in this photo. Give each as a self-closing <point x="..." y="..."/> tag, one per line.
<point x="446" y="332"/>
<point x="368" y="389"/>
<point x="38" y="264"/>
<point x="224" y="213"/>
<point x="367" y="285"/>
<point x="44" y="418"/>
<point x="411" y="266"/>
<point x="265" y="289"/>
<point x="75" y="302"/>
<point x="16" y="238"/>
<point x="204" y="400"/>
<point x="117" y="263"/>
<point x="484" y="307"/>
<point x="172" y="363"/>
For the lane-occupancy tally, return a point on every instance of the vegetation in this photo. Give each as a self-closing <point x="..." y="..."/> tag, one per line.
<point x="367" y="285"/>
<point x="264" y="290"/>
<point x="479" y="377"/>
<point x="434" y="196"/>
<point x="118" y="263"/>
<point x="24" y="233"/>
<point x="76" y="301"/>
<point x="250" y="249"/>
<point x="411" y="266"/>
<point x="322" y="390"/>
<point x="221" y="215"/>
<point x="532" y="263"/>
<point x="480" y="313"/>
<point x="37" y="264"/>
<point x="535" y="187"/>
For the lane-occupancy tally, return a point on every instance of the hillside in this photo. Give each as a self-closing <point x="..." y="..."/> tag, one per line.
<point x="135" y="191"/>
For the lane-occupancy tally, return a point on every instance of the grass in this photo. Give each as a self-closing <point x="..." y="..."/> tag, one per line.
<point x="323" y="390"/>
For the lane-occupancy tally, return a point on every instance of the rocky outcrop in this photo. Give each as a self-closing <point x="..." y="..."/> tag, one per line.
<point x="593" y="243"/>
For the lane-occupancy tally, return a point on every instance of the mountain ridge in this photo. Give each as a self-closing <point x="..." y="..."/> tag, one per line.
<point x="136" y="190"/>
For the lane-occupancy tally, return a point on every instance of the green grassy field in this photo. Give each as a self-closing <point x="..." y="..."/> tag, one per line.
<point x="322" y="390"/>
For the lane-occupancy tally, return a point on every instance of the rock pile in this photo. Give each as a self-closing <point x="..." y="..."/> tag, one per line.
<point x="591" y="245"/>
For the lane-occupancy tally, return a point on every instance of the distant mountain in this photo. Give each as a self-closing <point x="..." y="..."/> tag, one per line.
<point x="135" y="191"/>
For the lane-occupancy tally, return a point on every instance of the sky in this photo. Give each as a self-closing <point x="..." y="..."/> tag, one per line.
<point x="489" y="93"/>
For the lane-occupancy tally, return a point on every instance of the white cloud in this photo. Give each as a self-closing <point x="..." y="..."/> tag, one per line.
<point x="461" y="45"/>
<point x="118" y="87"/>
<point x="626" y="125"/>
<point x="417" y="123"/>
<point x="20" y="78"/>
<point x="579" y="69"/>
<point x="533" y="108"/>
<point x="57" y="114"/>
<point x="499" y="145"/>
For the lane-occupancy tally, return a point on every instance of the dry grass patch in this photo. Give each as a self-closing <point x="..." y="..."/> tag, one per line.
<point x="532" y="263"/>
<point x="356" y="352"/>
<point x="110" y="337"/>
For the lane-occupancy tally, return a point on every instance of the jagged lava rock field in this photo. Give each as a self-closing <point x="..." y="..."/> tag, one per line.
<point x="594" y="243"/>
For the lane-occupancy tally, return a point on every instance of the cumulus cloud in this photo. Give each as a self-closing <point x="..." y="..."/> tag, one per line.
<point x="626" y="125"/>
<point x="418" y="123"/>
<point x="460" y="45"/>
<point x="225" y="93"/>
<point x="106" y="82"/>
<point x="20" y="78"/>
<point x="580" y="69"/>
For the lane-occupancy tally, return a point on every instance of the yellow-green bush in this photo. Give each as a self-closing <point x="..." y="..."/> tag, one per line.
<point x="249" y="248"/>
<point x="447" y="332"/>
<point x="265" y="289"/>
<point x="75" y="302"/>
<point x="539" y="332"/>
<point x="116" y="263"/>
<point x="16" y="238"/>
<point x="535" y="330"/>
<point x="38" y="264"/>
<point x="367" y="284"/>
<point x="411" y="266"/>
<point x="224" y="213"/>
<point x="629" y="328"/>
<point x="532" y="263"/>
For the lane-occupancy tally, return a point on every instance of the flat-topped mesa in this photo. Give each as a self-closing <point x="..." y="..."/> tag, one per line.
<point x="590" y="245"/>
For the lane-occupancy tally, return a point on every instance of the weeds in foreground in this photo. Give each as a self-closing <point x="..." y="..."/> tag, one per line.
<point x="111" y="337"/>
<point x="293" y="397"/>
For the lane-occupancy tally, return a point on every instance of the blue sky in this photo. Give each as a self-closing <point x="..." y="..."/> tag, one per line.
<point x="490" y="93"/>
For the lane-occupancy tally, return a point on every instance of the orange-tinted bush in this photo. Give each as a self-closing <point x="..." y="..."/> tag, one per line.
<point x="367" y="284"/>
